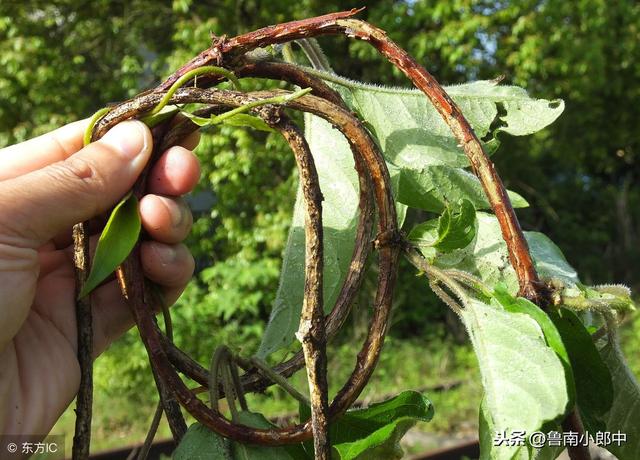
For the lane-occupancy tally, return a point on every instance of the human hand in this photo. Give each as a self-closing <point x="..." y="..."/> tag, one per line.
<point x="47" y="184"/>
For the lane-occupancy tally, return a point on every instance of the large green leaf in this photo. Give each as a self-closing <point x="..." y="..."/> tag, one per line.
<point x="624" y="416"/>
<point x="523" y="378"/>
<point x="250" y="452"/>
<point x="339" y="184"/>
<point x="551" y="333"/>
<point x="433" y="188"/>
<point x="359" y="423"/>
<point x="487" y="257"/>
<point x="200" y="443"/>
<point x="412" y="136"/>
<point x="118" y="238"/>
<point x="592" y="377"/>
<point x="412" y="133"/>
<point x="374" y="433"/>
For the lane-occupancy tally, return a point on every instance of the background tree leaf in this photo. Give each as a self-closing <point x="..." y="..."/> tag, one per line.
<point x="118" y="238"/>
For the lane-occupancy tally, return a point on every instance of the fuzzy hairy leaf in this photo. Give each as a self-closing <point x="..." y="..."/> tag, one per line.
<point x="412" y="134"/>
<point x="118" y="238"/>
<point x="592" y="377"/>
<point x="433" y="188"/>
<point x="624" y="415"/>
<point x="523" y="378"/>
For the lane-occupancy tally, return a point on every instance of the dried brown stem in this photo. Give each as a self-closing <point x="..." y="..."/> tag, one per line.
<point x="311" y="332"/>
<point x="84" y="399"/>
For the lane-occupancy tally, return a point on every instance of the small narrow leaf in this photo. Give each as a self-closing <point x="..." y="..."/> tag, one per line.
<point x="118" y="238"/>
<point x="249" y="121"/>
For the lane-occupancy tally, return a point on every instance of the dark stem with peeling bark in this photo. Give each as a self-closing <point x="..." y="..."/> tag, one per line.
<point x="84" y="326"/>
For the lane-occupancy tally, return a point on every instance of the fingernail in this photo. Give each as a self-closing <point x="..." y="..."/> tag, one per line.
<point x="129" y="138"/>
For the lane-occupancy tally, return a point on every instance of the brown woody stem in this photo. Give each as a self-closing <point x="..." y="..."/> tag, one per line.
<point x="84" y="399"/>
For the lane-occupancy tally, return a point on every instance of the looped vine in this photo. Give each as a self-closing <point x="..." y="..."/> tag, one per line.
<point x="196" y="83"/>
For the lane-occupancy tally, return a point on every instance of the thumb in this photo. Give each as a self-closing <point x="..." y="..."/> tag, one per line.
<point x="37" y="206"/>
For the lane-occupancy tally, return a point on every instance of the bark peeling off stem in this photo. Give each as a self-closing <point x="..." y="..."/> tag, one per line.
<point x="84" y="319"/>
<point x="312" y="332"/>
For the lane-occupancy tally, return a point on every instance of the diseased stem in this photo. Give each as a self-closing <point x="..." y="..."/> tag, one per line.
<point x="312" y="333"/>
<point x="84" y="319"/>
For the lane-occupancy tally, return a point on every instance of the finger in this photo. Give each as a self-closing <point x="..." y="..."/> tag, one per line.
<point x="191" y="141"/>
<point x="39" y="205"/>
<point x="176" y="172"/>
<point x="41" y="151"/>
<point x="166" y="219"/>
<point x="112" y="316"/>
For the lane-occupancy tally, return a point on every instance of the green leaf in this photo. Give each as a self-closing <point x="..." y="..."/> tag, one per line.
<point x="375" y="432"/>
<point x="382" y="444"/>
<point x="251" y="452"/>
<point x="200" y="443"/>
<point x="433" y="188"/>
<point x="118" y="238"/>
<point x="412" y="134"/>
<point x="523" y="378"/>
<point x="359" y="423"/>
<point x="488" y="259"/>
<point x="592" y="377"/>
<point x="454" y="229"/>
<point x="624" y="415"/>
